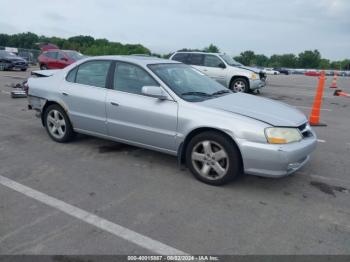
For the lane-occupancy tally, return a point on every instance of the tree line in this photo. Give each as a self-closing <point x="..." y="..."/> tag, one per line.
<point x="84" y="44"/>
<point x="91" y="46"/>
<point x="307" y="59"/>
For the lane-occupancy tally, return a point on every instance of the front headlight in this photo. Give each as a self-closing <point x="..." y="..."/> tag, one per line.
<point x="281" y="135"/>
<point x="254" y="76"/>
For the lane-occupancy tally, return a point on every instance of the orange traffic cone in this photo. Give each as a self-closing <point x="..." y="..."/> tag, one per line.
<point x="341" y="93"/>
<point x="316" y="108"/>
<point x="334" y="82"/>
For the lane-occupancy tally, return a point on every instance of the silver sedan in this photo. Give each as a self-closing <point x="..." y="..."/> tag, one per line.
<point x="173" y="108"/>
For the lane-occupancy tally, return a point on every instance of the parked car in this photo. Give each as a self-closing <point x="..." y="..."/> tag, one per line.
<point x="224" y="69"/>
<point x="281" y="70"/>
<point x="312" y="73"/>
<point x="270" y="71"/>
<point x="58" y="59"/>
<point x="28" y="56"/>
<point x="173" y="108"/>
<point x="10" y="61"/>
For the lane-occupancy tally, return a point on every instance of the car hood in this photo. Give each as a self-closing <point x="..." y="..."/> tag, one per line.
<point x="263" y="109"/>
<point x="11" y="58"/>
<point x="252" y="69"/>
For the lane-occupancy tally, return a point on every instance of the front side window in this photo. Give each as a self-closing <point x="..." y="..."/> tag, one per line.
<point x="131" y="78"/>
<point x="93" y="73"/>
<point x="60" y="56"/>
<point x="230" y="61"/>
<point x="71" y="75"/>
<point x="74" y="55"/>
<point x="212" y="61"/>
<point x="187" y="82"/>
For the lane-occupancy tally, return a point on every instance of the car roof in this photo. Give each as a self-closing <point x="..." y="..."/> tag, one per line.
<point x="137" y="59"/>
<point x="197" y="52"/>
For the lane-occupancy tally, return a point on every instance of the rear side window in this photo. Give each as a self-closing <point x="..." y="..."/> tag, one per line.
<point x="196" y="59"/>
<point x="181" y="57"/>
<point x="212" y="61"/>
<point x="71" y="75"/>
<point x="52" y="55"/>
<point x="93" y="73"/>
<point x="131" y="78"/>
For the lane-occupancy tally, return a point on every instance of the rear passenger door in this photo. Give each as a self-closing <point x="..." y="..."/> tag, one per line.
<point x="84" y="94"/>
<point x="51" y="59"/>
<point x="134" y="117"/>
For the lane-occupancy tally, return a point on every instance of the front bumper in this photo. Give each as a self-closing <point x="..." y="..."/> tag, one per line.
<point x="6" y="65"/>
<point x="270" y="160"/>
<point x="256" y="84"/>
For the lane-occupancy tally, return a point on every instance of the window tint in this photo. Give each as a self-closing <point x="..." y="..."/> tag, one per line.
<point x="196" y="59"/>
<point x="52" y="55"/>
<point x="212" y="61"/>
<point x="60" y="56"/>
<point x="93" y="73"/>
<point x="130" y="78"/>
<point x="181" y="57"/>
<point x="71" y="75"/>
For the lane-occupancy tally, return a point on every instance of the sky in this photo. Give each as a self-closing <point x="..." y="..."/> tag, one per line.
<point x="264" y="26"/>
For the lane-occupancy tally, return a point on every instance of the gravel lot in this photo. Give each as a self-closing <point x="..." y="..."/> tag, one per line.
<point x="145" y="191"/>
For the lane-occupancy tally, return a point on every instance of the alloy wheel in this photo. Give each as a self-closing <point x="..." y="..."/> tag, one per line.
<point x="56" y="124"/>
<point x="239" y="86"/>
<point x="210" y="160"/>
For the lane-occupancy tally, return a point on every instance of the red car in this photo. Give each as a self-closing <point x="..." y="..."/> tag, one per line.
<point x="312" y="73"/>
<point x="58" y="59"/>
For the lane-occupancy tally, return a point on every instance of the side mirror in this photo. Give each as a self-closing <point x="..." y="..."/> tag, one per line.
<point x="222" y="65"/>
<point x="154" y="91"/>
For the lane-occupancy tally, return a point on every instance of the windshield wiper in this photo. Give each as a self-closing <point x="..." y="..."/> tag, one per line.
<point x="195" y="94"/>
<point x="220" y="92"/>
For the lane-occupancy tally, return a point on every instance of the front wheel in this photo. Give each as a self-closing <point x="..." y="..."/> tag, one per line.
<point x="43" y="67"/>
<point x="57" y="124"/>
<point x="239" y="85"/>
<point x="213" y="158"/>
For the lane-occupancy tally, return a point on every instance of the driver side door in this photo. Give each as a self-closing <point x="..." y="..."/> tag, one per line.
<point x="136" y="118"/>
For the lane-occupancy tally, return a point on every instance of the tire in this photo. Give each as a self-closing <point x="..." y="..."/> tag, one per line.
<point x="210" y="151"/>
<point x="24" y="69"/>
<point x="57" y="124"/>
<point x="240" y="85"/>
<point x="43" y="67"/>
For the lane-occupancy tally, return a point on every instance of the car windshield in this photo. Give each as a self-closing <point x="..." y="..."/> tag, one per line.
<point x="74" y="55"/>
<point x="4" y="53"/>
<point x="230" y="61"/>
<point x="187" y="82"/>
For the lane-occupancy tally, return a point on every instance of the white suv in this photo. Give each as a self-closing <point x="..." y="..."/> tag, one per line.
<point x="224" y="69"/>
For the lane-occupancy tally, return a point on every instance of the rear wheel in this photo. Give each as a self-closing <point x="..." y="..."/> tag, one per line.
<point x="239" y="85"/>
<point x="24" y="69"/>
<point x="213" y="158"/>
<point x="57" y="124"/>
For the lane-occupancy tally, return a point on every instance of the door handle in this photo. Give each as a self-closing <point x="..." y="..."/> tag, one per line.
<point x="114" y="104"/>
<point x="64" y="93"/>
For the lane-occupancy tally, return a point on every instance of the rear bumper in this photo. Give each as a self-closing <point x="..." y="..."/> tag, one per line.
<point x="276" y="160"/>
<point x="256" y="84"/>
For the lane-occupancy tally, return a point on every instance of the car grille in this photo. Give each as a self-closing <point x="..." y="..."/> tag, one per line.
<point x="19" y="63"/>
<point x="262" y="76"/>
<point x="305" y="130"/>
